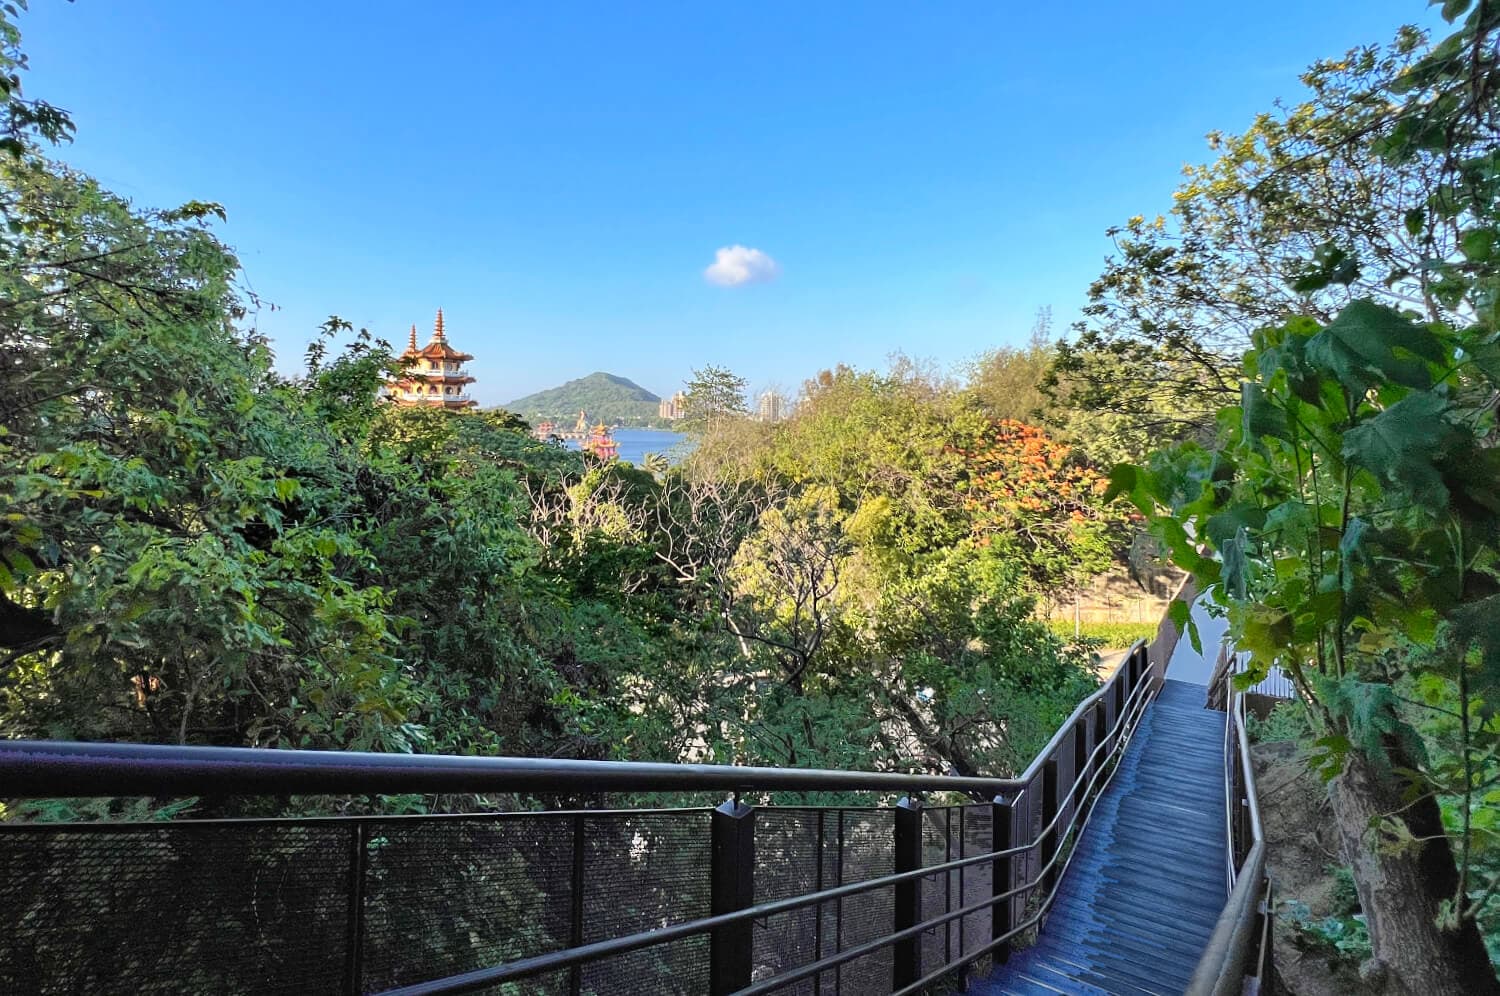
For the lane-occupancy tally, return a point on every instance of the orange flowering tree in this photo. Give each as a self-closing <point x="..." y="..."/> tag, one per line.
<point x="1032" y="495"/>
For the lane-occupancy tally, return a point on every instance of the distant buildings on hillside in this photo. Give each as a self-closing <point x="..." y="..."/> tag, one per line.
<point x="671" y="408"/>
<point x="769" y="407"/>
<point x="434" y="377"/>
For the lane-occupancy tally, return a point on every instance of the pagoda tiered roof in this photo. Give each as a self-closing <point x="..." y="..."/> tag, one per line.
<point x="432" y="376"/>
<point x="437" y="348"/>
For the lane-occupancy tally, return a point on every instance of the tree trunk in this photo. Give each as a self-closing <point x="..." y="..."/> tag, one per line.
<point x="1400" y="890"/>
<point x="23" y="627"/>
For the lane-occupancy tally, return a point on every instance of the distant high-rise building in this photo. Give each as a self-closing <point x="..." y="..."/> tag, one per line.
<point x="435" y="377"/>
<point x="671" y="408"/>
<point x="771" y="407"/>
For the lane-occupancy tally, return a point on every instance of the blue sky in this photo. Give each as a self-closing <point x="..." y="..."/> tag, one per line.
<point x="558" y="176"/>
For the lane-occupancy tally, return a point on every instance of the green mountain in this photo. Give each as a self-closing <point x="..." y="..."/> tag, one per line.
<point x="606" y="397"/>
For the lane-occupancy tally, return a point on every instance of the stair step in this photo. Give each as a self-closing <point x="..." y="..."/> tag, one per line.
<point x="1146" y="883"/>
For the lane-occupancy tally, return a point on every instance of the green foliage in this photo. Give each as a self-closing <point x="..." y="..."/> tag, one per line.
<point x="1104" y="634"/>
<point x="878" y="577"/>
<point x="1349" y="515"/>
<point x="1343" y="935"/>
<point x="712" y="395"/>
<point x="1287" y="722"/>
<point x="1300" y="214"/>
<point x="1344" y="938"/>
<point x="1037" y="499"/>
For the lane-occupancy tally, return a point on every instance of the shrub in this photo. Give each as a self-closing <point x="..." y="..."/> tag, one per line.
<point x="1287" y="721"/>
<point x="1105" y="634"/>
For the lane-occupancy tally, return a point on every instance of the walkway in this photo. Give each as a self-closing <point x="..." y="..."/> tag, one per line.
<point x="1138" y="903"/>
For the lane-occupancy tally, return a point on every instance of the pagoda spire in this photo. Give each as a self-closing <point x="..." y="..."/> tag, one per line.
<point x="434" y="376"/>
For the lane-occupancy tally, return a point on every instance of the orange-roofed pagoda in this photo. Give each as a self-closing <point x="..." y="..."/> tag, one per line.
<point x="435" y="376"/>
<point x="601" y="444"/>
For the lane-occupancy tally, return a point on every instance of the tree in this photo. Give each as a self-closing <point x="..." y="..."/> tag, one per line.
<point x="193" y="549"/>
<point x="712" y="394"/>
<point x="1031" y="496"/>
<point x="1007" y="382"/>
<point x="155" y="537"/>
<point x="22" y="121"/>
<point x="1352" y="510"/>
<point x="878" y="618"/>
<point x="1302" y="193"/>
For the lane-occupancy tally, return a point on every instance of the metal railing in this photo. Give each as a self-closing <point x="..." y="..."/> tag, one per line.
<point x="1277" y="683"/>
<point x="738" y="898"/>
<point x="1239" y="949"/>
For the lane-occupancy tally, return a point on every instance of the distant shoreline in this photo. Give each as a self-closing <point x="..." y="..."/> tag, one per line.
<point x="635" y="442"/>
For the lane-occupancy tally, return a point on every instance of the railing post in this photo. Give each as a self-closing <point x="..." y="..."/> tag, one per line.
<point x="907" y="960"/>
<point x="1080" y="783"/>
<point x="1100" y="731"/>
<point x="1264" y="972"/>
<point x="1049" y="813"/>
<point x="817" y="980"/>
<point x="1002" y="877"/>
<point x="575" y="912"/>
<point x="354" y="942"/>
<point x="1120" y="683"/>
<point x="732" y="888"/>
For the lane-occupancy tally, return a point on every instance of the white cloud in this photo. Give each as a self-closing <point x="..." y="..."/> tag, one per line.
<point x="736" y="265"/>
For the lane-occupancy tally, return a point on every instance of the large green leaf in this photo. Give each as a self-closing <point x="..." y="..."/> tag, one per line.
<point x="1367" y="711"/>
<point x="1401" y="446"/>
<point x="1484" y="354"/>
<point x="1181" y="614"/>
<point x="1288" y="356"/>
<point x="1476" y="626"/>
<point x="1261" y="416"/>
<point x="1131" y="482"/>
<point x="1235" y="552"/>
<point x="1223" y="525"/>
<point x="1352" y="548"/>
<point x="1369" y="343"/>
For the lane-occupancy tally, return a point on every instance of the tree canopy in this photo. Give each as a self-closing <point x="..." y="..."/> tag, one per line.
<point x="197" y="549"/>
<point x="1299" y="214"/>
<point x="1346" y="518"/>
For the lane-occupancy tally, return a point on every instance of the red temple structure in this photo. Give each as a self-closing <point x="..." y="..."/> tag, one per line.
<point x="601" y="444"/>
<point x="435" y="376"/>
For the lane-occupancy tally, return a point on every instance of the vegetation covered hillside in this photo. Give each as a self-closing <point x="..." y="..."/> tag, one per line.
<point x="232" y="556"/>
<point x="606" y="397"/>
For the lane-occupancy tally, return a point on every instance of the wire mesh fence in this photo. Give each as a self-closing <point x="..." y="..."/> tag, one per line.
<point x="584" y="902"/>
<point x="368" y="904"/>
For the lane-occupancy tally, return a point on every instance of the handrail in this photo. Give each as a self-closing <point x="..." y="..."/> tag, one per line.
<point x="1247" y="772"/>
<point x="59" y="769"/>
<point x="1225" y="962"/>
<point x="1224" y="681"/>
<point x="53" y="769"/>
<point x="485" y="978"/>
